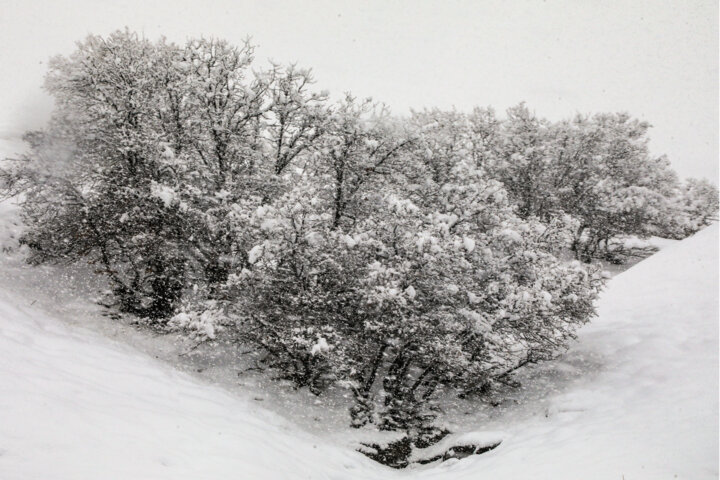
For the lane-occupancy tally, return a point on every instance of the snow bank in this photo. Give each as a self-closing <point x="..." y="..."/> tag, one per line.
<point x="651" y="412"/>
<point x="74" y="405"/>
<point x="476" y="440"/>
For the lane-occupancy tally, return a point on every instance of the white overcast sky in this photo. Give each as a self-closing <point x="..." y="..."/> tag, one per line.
<point x="657" y="60"/>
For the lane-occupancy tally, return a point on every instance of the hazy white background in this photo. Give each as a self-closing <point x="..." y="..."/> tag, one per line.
<point x="656" y="59"/>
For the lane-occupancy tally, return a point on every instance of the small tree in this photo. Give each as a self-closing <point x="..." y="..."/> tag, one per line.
<point x="153" y="155"/>
<point x="596" y="169"/>
<point x="694" y="206"/>
<point x="362" y="144"/>
<point x="297" y="116"/>
<point x="412" y="299"/>
<point x="95" y="182"/>
<point x="524" y="161"/>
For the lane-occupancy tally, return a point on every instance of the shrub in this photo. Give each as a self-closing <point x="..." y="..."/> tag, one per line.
<point x="410" y="300"/>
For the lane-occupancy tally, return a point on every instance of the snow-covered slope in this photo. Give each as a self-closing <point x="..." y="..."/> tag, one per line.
<point x="651" y="412"/>
<point x="76" y="405"/>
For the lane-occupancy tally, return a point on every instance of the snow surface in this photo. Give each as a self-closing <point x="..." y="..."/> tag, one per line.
<point x="75" y="405"/>
<point x="641" y="402"/>
<point x="651" y="412"/>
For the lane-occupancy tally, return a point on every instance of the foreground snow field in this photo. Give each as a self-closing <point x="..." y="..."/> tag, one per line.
<point x="77" y="405"/>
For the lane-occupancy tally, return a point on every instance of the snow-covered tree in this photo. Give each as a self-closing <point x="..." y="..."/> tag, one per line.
<point x="524" y="160"/>
<point x="153" y="153"/>
<point x="427" y="290"/>
<point x="597" y="170"/>
<point x="694" y="206"/>
<point x="96" y="182"/>
<point x="361" y="147"/>
<point x="297" y="115"/>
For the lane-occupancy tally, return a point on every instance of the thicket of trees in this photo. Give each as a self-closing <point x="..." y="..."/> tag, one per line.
<point x="402" y="258"/>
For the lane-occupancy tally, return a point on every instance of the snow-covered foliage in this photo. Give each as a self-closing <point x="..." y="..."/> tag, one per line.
<point x="399" y="258"/>
<point x="144" y="168"/>
<point x="694" y="207"/>
<point x="595" y="169"/>
<point x="410" y="289"/>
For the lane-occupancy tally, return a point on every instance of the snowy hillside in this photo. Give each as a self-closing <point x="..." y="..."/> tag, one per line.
<point x="76" y="405"/>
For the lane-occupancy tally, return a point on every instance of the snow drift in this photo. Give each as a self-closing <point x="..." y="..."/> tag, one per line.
<point x="76" y="405"/>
